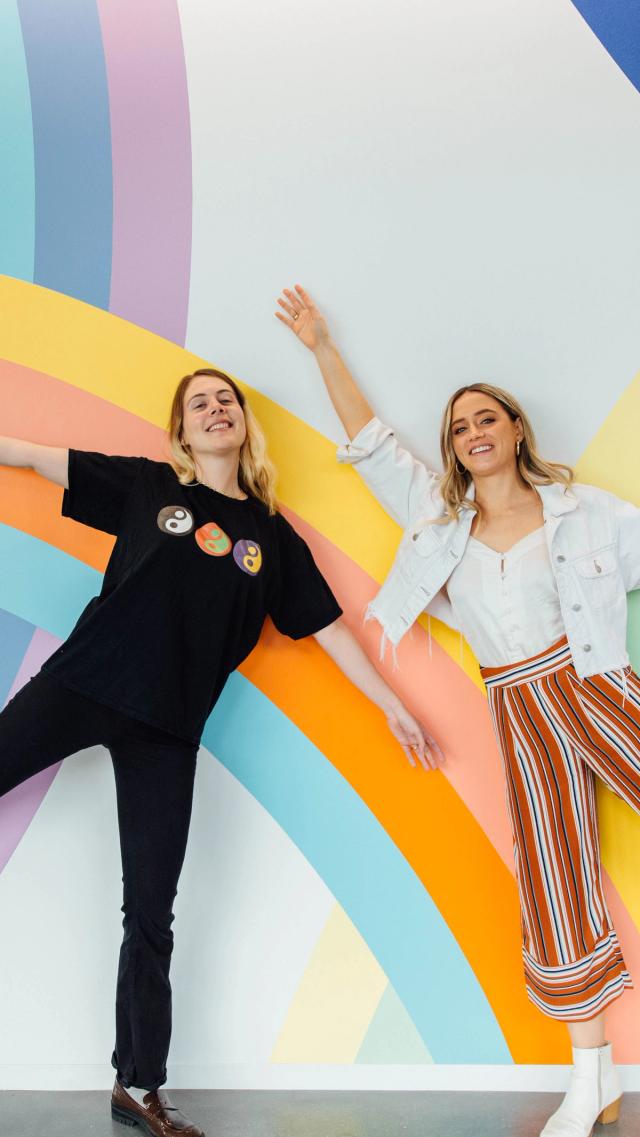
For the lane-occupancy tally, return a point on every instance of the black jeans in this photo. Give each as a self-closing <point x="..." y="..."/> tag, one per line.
<point x="154" y="775"/>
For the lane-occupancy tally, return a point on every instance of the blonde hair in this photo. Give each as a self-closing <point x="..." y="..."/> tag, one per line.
<point x="532" y="468"/>
<point x="256" y="473"/>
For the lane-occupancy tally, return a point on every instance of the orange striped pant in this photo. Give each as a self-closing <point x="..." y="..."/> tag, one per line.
<point x="556" y="732"/>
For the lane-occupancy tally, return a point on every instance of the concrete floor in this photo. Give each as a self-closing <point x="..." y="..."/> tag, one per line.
<point x="235" y="1113"/>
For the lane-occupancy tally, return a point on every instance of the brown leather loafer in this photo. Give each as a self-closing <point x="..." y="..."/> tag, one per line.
<point x="156" y="1116"/>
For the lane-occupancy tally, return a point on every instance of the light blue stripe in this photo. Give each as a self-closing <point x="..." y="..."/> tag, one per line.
<point x="17" y="178"/>
<point x="364" y="870"/>
<point x="319" y="811"/>
<point x="41" y="584"/>
<point x="15" y="637"/>
<point x="72" y="145"/>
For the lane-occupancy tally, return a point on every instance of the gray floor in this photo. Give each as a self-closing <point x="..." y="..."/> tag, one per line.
<point x="234" y="1113"/>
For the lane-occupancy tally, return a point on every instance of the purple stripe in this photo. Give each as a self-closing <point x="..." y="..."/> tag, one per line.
<point x="151" y="156"/>
<point x="19" y="806"/>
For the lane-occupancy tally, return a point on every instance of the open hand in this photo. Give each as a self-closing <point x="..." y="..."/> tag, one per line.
<point x="303" y="317"/>
<point x="414" y="739"/>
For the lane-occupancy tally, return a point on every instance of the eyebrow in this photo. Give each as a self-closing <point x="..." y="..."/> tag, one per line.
<point x="487" y="410"/>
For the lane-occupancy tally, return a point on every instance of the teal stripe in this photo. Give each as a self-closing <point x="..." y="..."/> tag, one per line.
<point x="364" y="870"/>
<point x="392" y="1038"/>
<point x="319" y="811"/>
<point x="41" y="584"/>
<point x="17" y="178"/>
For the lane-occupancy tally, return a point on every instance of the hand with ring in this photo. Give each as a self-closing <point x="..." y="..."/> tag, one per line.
<point x="301" y="315"/>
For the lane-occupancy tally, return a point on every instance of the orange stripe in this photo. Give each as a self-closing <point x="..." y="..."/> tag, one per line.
<point x="57" y="413"/>
<point x="424" y="817"/>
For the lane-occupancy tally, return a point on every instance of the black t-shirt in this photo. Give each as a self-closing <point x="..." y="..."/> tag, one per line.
<point x="191" y="578"/>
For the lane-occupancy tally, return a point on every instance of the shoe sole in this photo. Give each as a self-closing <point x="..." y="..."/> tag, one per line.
<point x="610" y="1113"/>
<point x="124" y="1118"/>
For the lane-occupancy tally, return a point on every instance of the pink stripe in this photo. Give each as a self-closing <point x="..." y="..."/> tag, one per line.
<point x="434" y="687"/>
<point x="623" y="1016"/>
<point x="151" y="157"/>
<point x="19" y="806"/>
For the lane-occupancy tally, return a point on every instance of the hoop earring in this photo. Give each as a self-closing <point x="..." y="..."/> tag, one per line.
<point x="460" y="469"/>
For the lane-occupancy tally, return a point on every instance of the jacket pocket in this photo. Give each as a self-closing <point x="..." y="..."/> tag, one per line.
<point x="599" y="577"/>
<point x="425" y="541"/>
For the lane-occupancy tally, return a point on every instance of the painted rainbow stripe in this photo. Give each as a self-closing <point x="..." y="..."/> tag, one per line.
<point x="98" y="180"/>
<point x="617" y="26"/>
<point x="17" y="174"/>
<point x="72" y="148"/>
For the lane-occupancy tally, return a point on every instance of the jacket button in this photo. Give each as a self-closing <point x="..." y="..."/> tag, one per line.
<point x="414" y="536"/>
<point x="576" y="607"/>
<point x="587" y="647"/>
<point x="560" y="558"/>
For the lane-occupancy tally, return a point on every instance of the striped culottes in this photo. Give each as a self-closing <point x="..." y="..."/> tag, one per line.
<point x="556" y="732"/>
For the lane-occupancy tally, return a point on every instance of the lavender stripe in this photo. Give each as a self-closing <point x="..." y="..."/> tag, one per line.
<point x="151" y="156"/>
<point x="19" y="806"/>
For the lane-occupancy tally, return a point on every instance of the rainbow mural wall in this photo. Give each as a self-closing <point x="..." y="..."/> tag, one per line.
<point x="412" y="956"/>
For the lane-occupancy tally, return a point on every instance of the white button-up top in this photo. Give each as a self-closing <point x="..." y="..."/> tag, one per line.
<point x="507" y="603"/>
<point x="593" y="540"/>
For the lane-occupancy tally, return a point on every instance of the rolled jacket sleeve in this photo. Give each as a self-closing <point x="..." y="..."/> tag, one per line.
<point x="403" y="485"/>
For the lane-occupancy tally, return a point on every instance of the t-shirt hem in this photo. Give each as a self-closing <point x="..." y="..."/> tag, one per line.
<point x="131" y="712"/>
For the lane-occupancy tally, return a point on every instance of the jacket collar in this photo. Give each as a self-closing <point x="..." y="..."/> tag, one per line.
<point x="556" y="499"/>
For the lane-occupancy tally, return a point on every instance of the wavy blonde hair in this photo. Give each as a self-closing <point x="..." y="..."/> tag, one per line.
<point x="532" y="468"/>
<point x="256" y="473"/>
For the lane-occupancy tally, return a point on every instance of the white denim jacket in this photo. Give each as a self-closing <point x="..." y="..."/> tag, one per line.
<point x="593" y="539"/>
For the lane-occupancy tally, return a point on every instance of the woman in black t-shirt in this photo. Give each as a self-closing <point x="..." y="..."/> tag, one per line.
<point x="201" y="557"/>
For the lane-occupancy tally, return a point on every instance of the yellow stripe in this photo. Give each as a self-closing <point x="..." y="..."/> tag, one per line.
<point x="612" y="460"/>
<point x="620" y="848"/>
<point x="138" y="371"/>
<point x="336" y="1000"/>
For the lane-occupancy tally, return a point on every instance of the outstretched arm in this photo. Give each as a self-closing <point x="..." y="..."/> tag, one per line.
<point x="301" y="315"/>
<point x="403" y="485"/>
<point x="345" y="651"/>
<point x="51" y="462"/>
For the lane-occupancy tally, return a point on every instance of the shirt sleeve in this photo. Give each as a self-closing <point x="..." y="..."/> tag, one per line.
<point x="302" y="601"/>
<point x="99" y="488"/>
<point x="403" y="485"/>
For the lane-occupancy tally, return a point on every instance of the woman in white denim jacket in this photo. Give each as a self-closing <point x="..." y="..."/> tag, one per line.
<point x="534" y="569"/>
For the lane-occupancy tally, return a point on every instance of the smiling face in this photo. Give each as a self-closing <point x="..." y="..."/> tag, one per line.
<point x="483" y="435"/>
<point x="212" y="418"/>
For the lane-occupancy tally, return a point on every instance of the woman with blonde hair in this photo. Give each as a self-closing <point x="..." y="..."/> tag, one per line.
<point x="534" y="569"/>
<point x="202" y="556"/>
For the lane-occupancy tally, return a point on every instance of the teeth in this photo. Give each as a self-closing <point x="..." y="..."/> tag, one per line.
<point x="480" y="449"/>
<point x="218" y="426"/>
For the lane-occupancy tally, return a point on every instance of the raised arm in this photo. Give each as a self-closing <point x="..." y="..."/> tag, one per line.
<point x="403" y="485"/>
<point x="303" y="317"/>
<point x="51" y="462"/>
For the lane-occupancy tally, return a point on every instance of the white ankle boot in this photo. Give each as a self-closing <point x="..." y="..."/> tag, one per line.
<point x="594" y="1095"/>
